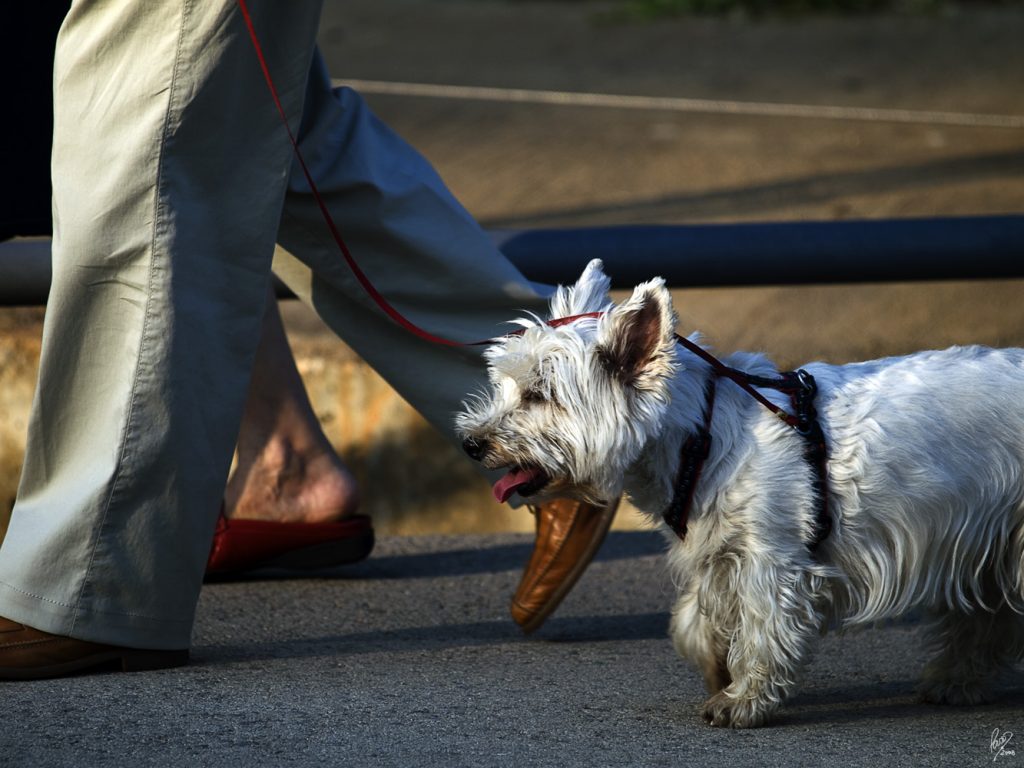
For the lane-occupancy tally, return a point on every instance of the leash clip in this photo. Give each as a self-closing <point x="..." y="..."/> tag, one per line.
<point x="806" y="381"/>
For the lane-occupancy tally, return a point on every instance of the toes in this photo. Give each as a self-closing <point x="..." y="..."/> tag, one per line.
<point x="716" y="711"/>
<point x="722" y="711"/>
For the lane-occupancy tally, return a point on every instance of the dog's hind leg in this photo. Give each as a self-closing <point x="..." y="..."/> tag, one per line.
<point x="973" y="649"/>
<point x="779" y="617"/>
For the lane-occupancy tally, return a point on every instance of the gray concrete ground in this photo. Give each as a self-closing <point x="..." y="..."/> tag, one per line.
<point x="410" y="658"/>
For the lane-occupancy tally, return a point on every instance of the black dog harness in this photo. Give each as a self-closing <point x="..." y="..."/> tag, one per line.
<point x="801" y="388"/>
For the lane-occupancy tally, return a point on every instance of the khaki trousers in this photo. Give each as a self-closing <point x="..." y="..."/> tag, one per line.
<point x="172" y="179"/>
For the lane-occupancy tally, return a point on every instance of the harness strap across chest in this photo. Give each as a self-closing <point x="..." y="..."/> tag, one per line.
<point x="801" y="389"/>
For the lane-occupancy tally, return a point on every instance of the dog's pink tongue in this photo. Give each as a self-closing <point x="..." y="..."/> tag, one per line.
<point x="513" y="481"/>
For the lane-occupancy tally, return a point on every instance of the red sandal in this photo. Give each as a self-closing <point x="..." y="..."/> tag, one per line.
<point x="244" y="545"/>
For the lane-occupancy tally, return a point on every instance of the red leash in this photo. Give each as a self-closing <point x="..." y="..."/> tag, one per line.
<point x="738" y="377"/>
<point x="799" y="385"/>
<point x="364" y="281"/>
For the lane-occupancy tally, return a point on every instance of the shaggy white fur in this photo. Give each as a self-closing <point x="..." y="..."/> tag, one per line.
<point x="926" y="489"/>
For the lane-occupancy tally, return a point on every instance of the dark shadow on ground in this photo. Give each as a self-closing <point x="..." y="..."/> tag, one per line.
<point x="882" y="701"/>
<point x="745" y="200"/>
<point x="578" y="629"/>
<point x="464" y="561"/>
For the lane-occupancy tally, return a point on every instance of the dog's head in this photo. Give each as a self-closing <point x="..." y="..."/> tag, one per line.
<point x="570" y="407"/>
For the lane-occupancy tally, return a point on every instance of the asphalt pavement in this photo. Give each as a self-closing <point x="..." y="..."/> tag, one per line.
<point x="410" y="659"/>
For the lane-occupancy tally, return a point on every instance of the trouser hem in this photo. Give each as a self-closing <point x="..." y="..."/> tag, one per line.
<point x="97" y="626"/>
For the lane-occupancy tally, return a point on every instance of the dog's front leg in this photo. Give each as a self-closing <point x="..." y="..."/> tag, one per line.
<point x="778" y="617"/>
<point x="701" y="639"/>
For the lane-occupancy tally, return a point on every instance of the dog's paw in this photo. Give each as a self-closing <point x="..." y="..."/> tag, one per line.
<point x="723" y="711"/>
<point x="957" y="694"/>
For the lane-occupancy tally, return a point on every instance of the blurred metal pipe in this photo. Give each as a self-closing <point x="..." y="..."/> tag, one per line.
<point x="791" y="253"/>
<point x="788" y="253"/>
<point x="24" y="272"/>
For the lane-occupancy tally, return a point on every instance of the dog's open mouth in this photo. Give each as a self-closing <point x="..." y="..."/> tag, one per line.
<point x="522" y="480"/>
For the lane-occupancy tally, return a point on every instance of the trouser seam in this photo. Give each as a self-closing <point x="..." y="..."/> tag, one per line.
<point x="106" y="613"/>
<point x="34" y="596"/>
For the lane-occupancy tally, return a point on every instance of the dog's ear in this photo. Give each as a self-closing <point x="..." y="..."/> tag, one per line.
<point x="590" y="294"/>
<point x="636" y="340"/>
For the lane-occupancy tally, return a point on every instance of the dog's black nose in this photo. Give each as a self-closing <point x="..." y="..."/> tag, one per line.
<point x="476" y="449"/>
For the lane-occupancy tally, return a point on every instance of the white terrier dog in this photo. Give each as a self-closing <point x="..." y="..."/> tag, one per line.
<point x="920" y="501"/>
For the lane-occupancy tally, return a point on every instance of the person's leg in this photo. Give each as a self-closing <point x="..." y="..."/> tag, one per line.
<point x="168" y="183"/>
<point x="429" y="258"/>
<point x="286" y="470"/>
<point x="417" y="244"/>
<point x="291" y="501"/>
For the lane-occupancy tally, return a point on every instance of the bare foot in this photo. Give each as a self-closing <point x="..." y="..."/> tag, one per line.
<point x="287" y="470"/>
<point x="286" y="485"/>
